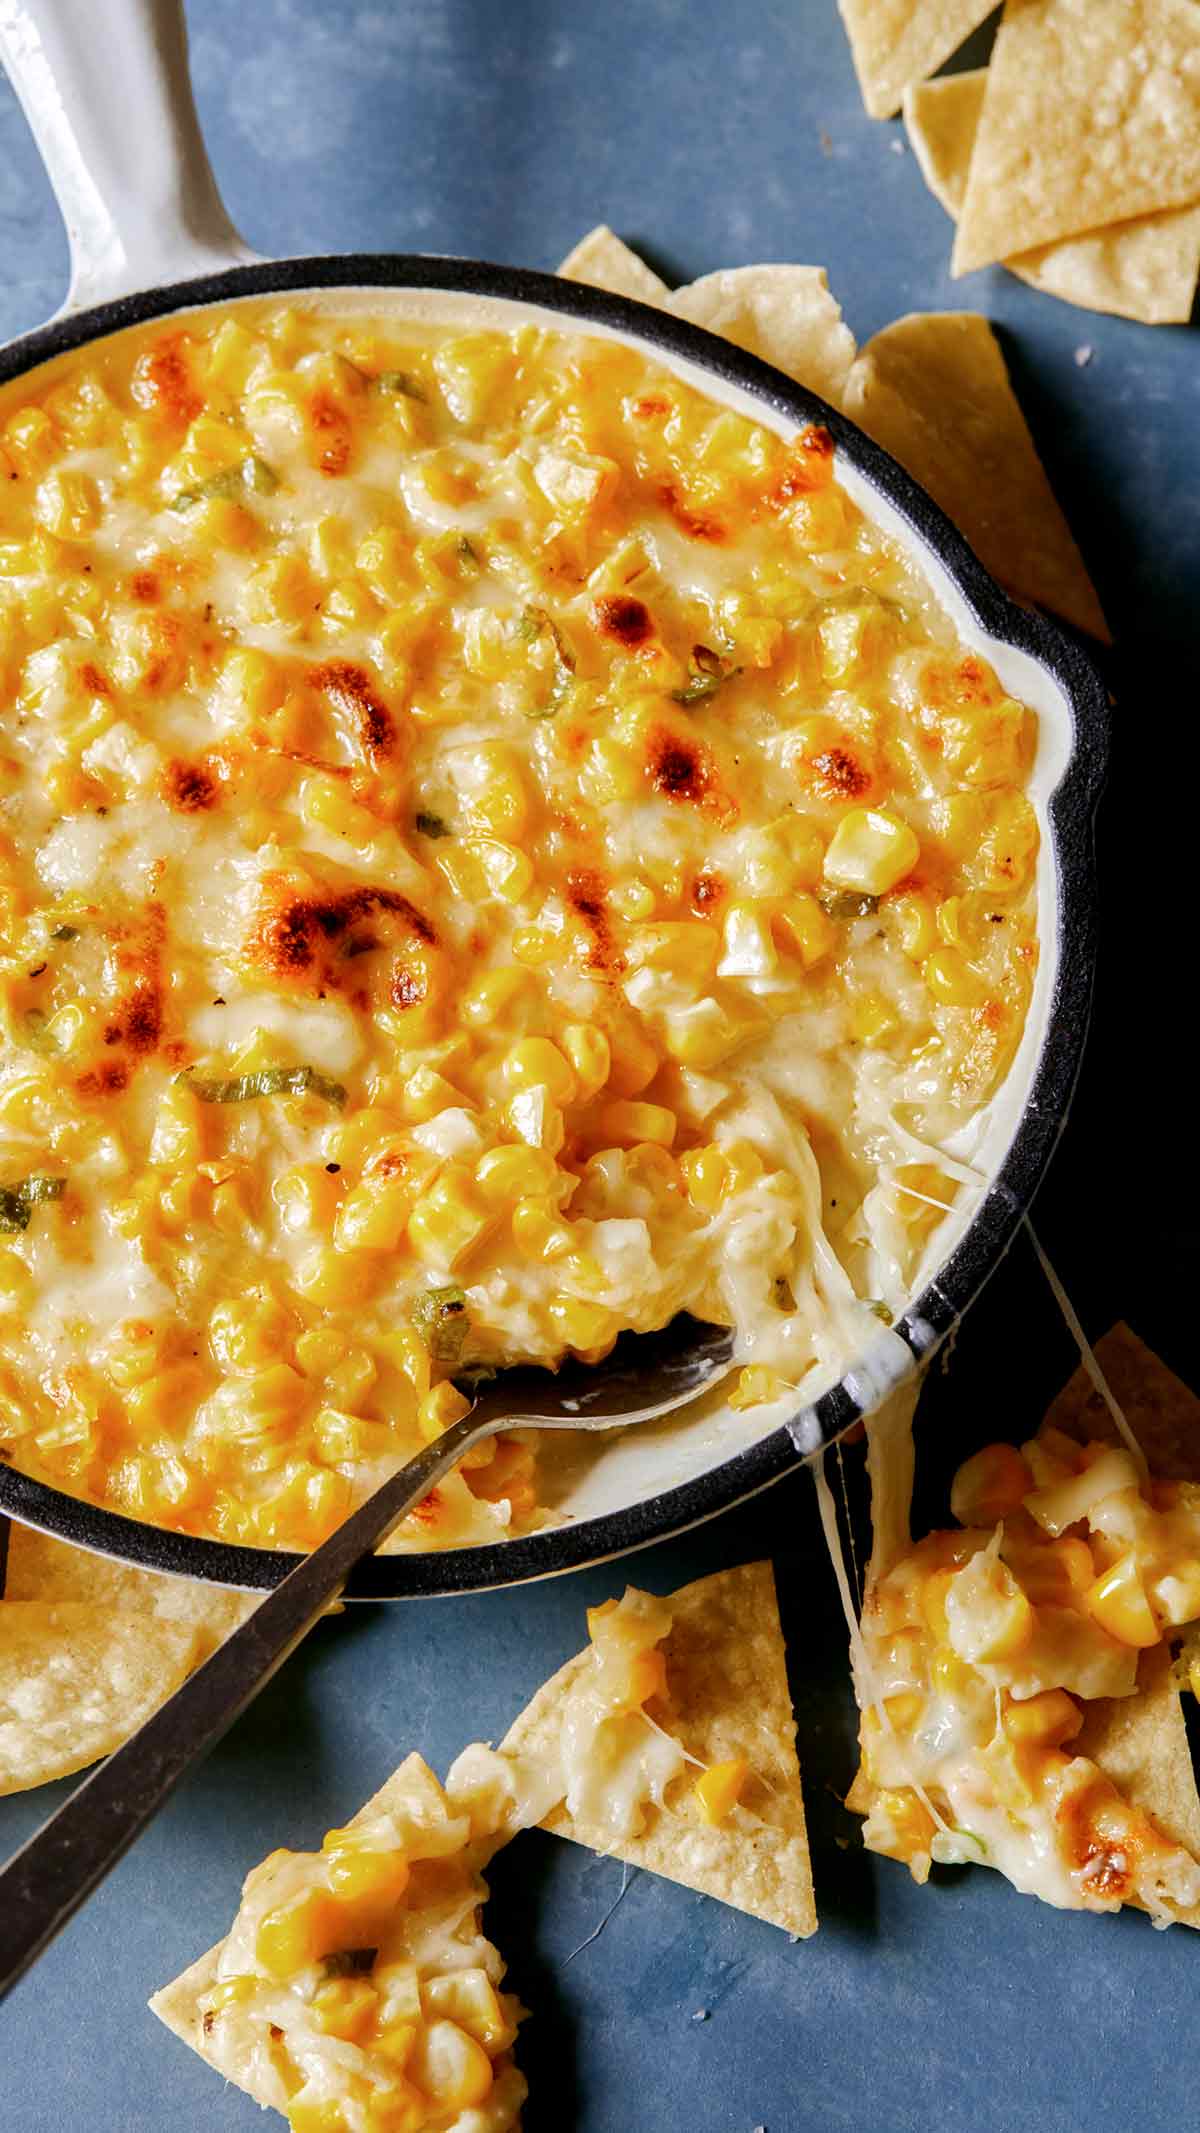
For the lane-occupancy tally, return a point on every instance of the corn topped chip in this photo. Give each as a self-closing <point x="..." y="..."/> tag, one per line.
<point x="1018" y="1706"/>
<point x="355" y="1991"/>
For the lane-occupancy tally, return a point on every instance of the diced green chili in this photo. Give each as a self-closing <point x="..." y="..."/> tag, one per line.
<point x="349" y="1962"/>
<point x="468" y="556"/>
<point x="443" y="1322"/>
<point x="707" y="673"/>
<point x="533" y="623"/>
<point x="846" y="903"/>
<point x="268" y="1081"/>
<point x="64" y="933"/>
<point x="17" y="1202"/>
<point x="876" y="1305"/>
<point x="429" y="825"/>
<point x="401" y="382"/>
<point x="249" y="473"/>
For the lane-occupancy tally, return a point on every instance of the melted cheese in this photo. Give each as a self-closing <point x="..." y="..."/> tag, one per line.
<point x="468" y="720"/>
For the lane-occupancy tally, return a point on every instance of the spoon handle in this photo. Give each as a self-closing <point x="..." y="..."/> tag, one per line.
<point x="45" y="1882"/>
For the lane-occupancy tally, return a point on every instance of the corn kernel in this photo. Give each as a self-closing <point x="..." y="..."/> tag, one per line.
<point x="360" y="1872"/>
<point x="1045" y="1721"/>
<point x="374" y="1217"/>
<point x="1117" y="1601"/>
<point x="804" y="930"/>
<point x="705" y="1173"/>
<point x="469" y="1998"/>
<point x="990" y="1486"/>
<point x="581" y="1325"/>
<point x="587" y="1049"/>
<point x="624" y="1124"/>
<point x="537" y="1231"/>
<point x="247" y="1332"/>
<point x="298" y="1933"/>
<point x="450" y="1219"/>
<point x="755" y="1385"/>
<point x="506" y="1175"/>
<point x="345" y="2007"/>
<point x="536" y="1062"/>
<point x="870" y="851"/>
<point x="912" y="915"/>
<point x="442" y="1405"/>
<point x="451" y="2067"/>
<point x="951" y="979"/>
<point x="718" y="1789"/>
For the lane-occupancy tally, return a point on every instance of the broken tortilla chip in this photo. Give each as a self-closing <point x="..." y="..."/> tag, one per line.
<point x="895" y="42"/>
<point x="933" y="390"/>
<point x="1162" y="1412"/>
<point x="1145" y="269"/>
<point x="43" y="1568"/>
<point x="75" y="1681"/>
<point x="601" y="260"/>
<point x="786" y="315"/>
<point x="1140" y="1742"/>
<point x="1091" y="116"/>
<point x="728" y="1698"/>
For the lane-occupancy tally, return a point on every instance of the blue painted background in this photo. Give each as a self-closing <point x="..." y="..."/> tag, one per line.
<point x="709" y="134"/>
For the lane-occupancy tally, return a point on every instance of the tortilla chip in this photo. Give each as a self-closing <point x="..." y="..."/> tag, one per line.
<point x="604" y="262"/>
<point x="1146" y="269"/>
<point x="1162" y="1412"/>
<point x="75" y="1681"/>
<point x="786" y="315"/>
<point x="728" y="1697"/>
<point x="42" y="1568"/>
<point x="180" y="2004"/>
<point x="933" y="390"/>
<point x="895" y="42"/>
<point x="1091" y="116"/>
<point x="1141" y="1743"/>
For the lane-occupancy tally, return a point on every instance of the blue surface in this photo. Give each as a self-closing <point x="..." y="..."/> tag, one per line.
<point x="710" y="135"/>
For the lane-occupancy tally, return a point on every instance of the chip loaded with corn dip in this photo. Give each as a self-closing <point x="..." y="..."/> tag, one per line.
<point x="355" y="1991"/>
<point x="497" y="848"/>
<point x="1015" y="1670"/>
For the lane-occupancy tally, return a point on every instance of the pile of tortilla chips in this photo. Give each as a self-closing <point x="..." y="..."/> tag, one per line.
<point x="931" y="388"/>
<point x="88" y="1649"/>
<point x="1073" y="158"/>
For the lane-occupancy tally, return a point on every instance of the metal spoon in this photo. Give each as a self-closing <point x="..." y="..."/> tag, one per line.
<point x="646" y="1375"/>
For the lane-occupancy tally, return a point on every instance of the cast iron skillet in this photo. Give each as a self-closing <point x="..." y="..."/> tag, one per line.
<point x="133" y="207"/>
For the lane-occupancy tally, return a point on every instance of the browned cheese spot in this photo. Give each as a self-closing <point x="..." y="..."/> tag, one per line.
<point x="586" y="894"/>
<point x="708" y="893"/>
<point x="190" y="788"/>
<point x="106" y="1080"/>
<point x="332" y="433"/>
<point x="696" y="524"/>
<point x="839" y="775"/>
<point x="352" y="692"/>
<point x="810" y="467"/>
<point x="162" y="380"/>
<point x="627" y="620"/>
<point x="287" y="936"/>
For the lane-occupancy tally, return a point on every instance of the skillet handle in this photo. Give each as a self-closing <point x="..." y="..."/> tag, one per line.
<point x="105" y="87"/>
